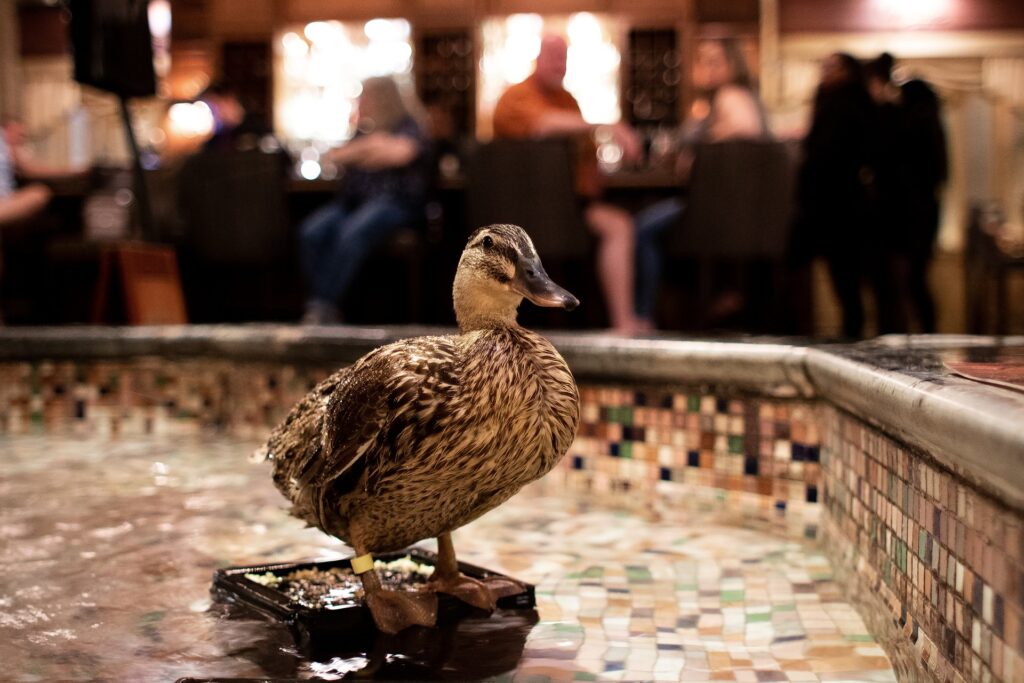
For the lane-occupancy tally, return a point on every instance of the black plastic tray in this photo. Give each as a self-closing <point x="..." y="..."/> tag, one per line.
<point x="313" y="629"/>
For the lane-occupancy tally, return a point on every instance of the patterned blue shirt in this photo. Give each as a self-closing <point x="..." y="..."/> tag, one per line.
<point x="407" y="183"/>
<point x="6" y="170"/>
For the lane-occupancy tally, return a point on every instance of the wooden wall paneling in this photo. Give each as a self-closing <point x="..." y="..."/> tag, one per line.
<point x="817" y="16"/>
<point x="727" y="11"/>
<point x="503" y="7"/>
<point x="10" y="60"/>
<point x="190" y="20"/>
<point x="650" y="13"/>
<point x="303" y="11"/>
<point x="43" y="30"/>
<point x="230" y="19"/>
<point x="192" y="68"/>
<point x="442" y="14"/>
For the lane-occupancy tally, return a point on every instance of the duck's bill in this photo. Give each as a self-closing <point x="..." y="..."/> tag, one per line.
<point x="533" y="282"/>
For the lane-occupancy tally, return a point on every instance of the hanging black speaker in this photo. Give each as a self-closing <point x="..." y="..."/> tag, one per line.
<point x="112" y="46"/>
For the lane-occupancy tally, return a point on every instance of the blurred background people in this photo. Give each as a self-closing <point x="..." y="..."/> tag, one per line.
<point x="17" y="204"/>
<point x="22" y="207"/>
<point x="730" y="110"/>
<point x="383" y="188"/>
<point x="868" y="205"/>
<point x="831" y="192"/>
<point x="228" y="116"/>
<point x="885" y="230"/>
<point x="926" y="169"/>
<point x="23" y="162"/>
<point x="540" y="107"/>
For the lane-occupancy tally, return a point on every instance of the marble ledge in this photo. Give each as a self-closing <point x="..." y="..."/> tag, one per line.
<point x="897" y="383"/>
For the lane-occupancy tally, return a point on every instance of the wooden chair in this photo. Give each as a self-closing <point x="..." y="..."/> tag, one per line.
<point x="529" y="183"/>
<point x="988" y="267"/>
<point x="238" y="252"/>
<point x="147" y="277"/>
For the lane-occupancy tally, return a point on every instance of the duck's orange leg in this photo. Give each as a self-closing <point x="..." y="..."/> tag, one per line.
<point x="482" y="593"/>
<point x="393" y="611"/>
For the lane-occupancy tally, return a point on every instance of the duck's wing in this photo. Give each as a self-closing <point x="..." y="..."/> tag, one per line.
<point x="298" y="440"/>
<point x="408" y="381"/>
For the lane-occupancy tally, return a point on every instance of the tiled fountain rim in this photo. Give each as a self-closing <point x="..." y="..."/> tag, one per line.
<point x="973" y="429"/>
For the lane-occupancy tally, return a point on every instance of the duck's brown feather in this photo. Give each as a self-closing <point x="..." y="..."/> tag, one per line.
<point x="421" y="436"/>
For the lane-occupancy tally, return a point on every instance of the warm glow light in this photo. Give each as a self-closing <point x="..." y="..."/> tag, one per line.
<point x="592" y="68"/>
<point x="309" y="169"/>
<point x="190" y="119"/>
<point x="906" y="13"/>
<point x="320" y="71"/>
<point x="387" y="30"/>
<point x="584" y="29"/>
<point x="159" y="15"/>
<point x="294" y="45"/>
<point x="323" y="32"/>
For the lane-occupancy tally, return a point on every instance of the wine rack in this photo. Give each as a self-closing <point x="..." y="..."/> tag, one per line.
<point x="446" y="75"/>
<point x="653" y="75"/>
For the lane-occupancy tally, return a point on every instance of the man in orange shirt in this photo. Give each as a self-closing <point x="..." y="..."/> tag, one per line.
<point x="541" y="107"/>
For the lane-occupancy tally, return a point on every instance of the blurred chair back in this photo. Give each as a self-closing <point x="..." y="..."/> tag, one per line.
<point x="739" y="204"/>
<point x="238" y="255"/>
<point x="233" y="207"/>
<point x="529" y="183"/>
<point x="736" y="228"/>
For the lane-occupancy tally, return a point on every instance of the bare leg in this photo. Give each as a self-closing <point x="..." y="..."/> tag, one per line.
<point x="447" y="579"/>
<point x="614" y="230"/>
<point x="396" y="610"/>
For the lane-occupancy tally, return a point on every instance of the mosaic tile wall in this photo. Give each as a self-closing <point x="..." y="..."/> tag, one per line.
<point x="635" y="438"/>
<point x="150" y="396"/>
<point x="946" y="558"/>
<point x="630" y="439"/>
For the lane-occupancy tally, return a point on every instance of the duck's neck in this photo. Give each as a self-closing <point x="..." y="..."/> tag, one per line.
<point x="483" y="310"/>
<point x="472" y="318"/>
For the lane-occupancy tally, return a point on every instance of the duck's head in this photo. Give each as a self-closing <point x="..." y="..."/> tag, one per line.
<point x="498" y="268"/>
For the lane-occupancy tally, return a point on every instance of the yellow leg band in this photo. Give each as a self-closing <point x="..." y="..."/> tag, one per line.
<point x="362" y="564"/>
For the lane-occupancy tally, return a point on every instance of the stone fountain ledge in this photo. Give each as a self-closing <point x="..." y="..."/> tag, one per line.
<point x="896" y="383"/>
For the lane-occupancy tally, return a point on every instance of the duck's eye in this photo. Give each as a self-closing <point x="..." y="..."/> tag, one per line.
<point x="488" y="242"/>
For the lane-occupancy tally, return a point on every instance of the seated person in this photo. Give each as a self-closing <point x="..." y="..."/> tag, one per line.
<point x="234" y="129"/>
<point x="732" y="112"/>
<point x="16" y="204"/>
<point x="541" y="107"/>
<point x="228" y="116"/>
<point x="384" y="185"/>
<point x="20" y="205"/>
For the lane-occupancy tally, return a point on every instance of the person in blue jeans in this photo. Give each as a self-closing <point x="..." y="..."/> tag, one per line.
<point x="731" y="111"/>
<point x="384" y="187"/>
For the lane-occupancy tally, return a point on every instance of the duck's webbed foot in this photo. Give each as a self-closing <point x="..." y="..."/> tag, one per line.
<point x="481" y="593"/>
<point x="394" y="611"/>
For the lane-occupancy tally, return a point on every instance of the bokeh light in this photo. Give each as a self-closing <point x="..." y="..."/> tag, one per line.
<point x="511" y="44"/>
<point x="190" y="119"/>
<point x="320" y="68"/>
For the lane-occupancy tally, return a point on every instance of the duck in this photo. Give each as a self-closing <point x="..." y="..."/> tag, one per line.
<point x="422" y="436"/>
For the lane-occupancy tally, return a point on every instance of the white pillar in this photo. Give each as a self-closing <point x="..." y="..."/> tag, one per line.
<point x="771" y="64"/>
